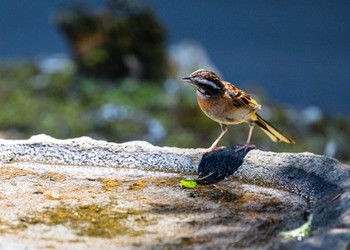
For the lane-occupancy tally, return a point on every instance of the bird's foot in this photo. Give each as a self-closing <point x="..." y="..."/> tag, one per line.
<point x="245" y="147"/>
<point x="212" y="148"/>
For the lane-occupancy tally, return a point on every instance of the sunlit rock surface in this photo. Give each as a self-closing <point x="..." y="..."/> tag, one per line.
<point x="87" y="194"/>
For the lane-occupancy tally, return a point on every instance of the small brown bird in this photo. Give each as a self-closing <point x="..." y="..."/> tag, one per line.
<point x="226" y="104"/>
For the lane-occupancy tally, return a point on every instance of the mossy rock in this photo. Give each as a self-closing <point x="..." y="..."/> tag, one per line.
<point x="122" y="41"/>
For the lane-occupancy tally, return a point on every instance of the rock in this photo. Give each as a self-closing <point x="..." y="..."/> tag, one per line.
<point x="85" y="151"/>
<point x="87" y="194"/>
<point x="322" y="181"/>
<point x="123" y="39"/>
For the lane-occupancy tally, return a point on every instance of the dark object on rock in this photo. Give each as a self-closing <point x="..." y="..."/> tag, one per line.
<point x="271" y="192"/>
<point x="124" y="40"/>
<point x="219" y="164"/>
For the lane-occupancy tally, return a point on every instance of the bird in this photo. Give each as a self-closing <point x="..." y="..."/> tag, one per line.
<point x="226" y="104"/>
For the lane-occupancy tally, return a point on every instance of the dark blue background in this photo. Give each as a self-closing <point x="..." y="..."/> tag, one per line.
<point x="298" y="51"/>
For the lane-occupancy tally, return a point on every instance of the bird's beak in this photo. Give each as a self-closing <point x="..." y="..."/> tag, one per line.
<point x="188" y="79"/>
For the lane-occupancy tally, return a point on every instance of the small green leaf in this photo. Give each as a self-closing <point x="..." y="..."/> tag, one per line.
<point x="6" y="157"/>
<point x="299" y="232"/>
<point x="188" y="183"/>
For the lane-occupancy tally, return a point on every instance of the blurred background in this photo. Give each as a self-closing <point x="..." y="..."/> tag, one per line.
<point x="112" y="69"/>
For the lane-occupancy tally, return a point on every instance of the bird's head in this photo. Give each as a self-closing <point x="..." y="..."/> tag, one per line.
<point x="207" y="82"/>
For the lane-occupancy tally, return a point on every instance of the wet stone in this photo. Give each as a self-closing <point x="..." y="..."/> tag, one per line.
<point x="120" y="209"/>
<point x="87" y="194"/>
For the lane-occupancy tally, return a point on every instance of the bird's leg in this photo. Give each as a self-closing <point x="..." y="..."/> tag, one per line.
<point x="247" y="144"/>
<point x="213" y="146"/>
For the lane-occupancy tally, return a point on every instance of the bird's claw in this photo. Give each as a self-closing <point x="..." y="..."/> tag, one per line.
<point x="212" y="149"/>
<point x="245" y="147"/>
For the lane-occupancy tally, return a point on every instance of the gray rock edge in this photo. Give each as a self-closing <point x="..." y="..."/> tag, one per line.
<point x="323" y="181"/>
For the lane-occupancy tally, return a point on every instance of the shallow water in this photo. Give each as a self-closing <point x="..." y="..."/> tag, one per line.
<point x="88" y="207"/>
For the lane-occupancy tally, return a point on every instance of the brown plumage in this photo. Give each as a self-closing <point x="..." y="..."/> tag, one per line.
<point x="226" y="104"/>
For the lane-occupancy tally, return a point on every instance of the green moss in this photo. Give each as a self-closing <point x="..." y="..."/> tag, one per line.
<point x="89" y="220"/>
<point x="6" y="227"/>
<point x="110" y="184"/>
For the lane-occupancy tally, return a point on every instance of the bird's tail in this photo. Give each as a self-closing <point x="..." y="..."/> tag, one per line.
<point x="270" y="130"/>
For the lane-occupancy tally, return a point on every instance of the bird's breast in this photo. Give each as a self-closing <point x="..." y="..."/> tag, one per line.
<point x="222" y="110"/>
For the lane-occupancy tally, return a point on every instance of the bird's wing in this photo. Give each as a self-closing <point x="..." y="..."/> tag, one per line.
<point x="239" y="97"/>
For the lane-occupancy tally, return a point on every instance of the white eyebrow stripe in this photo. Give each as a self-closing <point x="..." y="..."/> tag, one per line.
<point x="208" y="82"/>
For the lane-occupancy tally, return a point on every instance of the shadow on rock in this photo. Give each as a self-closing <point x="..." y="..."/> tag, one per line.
<point x="219" y="164"/>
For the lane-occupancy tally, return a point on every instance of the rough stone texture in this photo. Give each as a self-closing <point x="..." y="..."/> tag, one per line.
<point x="85" y="151"/>
<point x="44" y="178"/>
<point x="323" y="181"/>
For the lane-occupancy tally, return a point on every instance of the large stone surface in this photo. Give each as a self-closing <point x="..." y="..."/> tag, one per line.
<point x="88" y="194"/>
